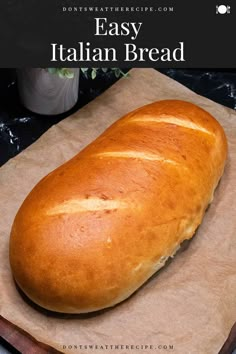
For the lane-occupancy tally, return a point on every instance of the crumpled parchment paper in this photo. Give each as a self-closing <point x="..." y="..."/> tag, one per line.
<point x="190" y="306"/>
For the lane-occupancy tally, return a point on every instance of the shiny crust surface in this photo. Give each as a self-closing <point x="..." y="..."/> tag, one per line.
<point x="95" y="229"/>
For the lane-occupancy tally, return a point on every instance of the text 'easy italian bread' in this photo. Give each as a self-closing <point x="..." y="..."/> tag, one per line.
<point x="94" y="230"/>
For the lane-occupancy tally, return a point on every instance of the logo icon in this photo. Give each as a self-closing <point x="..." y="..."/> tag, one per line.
<point x="222" y="9"/>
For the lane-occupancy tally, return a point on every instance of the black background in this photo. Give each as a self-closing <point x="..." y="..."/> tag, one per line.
<point x="27" y="29"/>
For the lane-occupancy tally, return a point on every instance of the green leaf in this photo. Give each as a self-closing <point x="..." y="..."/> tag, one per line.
<point x="69" y="74"/>
<point x="52" y="70"/>
<point x="62" y="72"/>
<point x="93" y="74"/>
<point x="117" y="72"/>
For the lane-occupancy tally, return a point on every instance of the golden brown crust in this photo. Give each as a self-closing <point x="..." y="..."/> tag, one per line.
<point x="95" y="229"/>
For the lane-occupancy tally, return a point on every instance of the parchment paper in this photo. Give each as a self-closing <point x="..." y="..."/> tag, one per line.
<point x="191" y="304"/>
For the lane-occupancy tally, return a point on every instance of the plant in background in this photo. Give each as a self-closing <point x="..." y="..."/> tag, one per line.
<point x="62" y="72"/>
<point x="87" y="72"/>
<point x="92" y="72"/>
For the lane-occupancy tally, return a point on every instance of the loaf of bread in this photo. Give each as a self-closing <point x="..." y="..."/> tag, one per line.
<point x="94" y="230"/>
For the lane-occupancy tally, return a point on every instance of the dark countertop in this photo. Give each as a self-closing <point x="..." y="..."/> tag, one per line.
<point x="20" y="127"/>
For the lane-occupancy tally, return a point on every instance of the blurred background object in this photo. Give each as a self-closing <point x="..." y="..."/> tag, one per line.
<point x="48" y="92"/>
<point x="20" y="127"/>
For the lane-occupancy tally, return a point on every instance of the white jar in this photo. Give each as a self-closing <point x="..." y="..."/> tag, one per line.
<point x="45" y="93"/>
